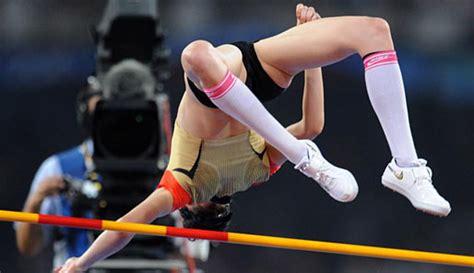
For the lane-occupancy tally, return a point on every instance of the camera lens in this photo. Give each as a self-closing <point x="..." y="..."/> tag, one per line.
<point x="126" y="133"/>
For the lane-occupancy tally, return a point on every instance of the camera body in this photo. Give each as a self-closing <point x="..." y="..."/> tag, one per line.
<point x="131" y="30"/>
<point x="130" y="125"/>
<point x="131" y="134"/>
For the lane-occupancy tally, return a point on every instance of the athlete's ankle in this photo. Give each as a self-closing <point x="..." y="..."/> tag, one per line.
<point x="406" y="163"/>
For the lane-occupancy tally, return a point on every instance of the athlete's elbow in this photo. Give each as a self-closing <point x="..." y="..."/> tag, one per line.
<point x="119" y="236"/>
<point x="124" y="236"/>
<point x="314" y="129"/>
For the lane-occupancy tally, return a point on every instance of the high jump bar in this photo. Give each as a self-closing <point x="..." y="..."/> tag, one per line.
<point x="242" y="238"/>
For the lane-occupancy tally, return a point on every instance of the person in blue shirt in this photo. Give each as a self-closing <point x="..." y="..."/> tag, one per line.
<point x="44" y="197"/>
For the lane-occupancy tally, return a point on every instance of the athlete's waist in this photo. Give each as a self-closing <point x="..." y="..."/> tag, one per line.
<point x="229" y="137"/>
<point x="209" y="126"/>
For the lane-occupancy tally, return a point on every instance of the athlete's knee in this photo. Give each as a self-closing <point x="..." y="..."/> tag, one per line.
<point x="377" y="28"/>
<point x="370" y="34"/>
<point x="197" y="57"/>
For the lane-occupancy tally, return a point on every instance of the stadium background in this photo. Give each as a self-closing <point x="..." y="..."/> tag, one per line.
<point x="46" y="53"/>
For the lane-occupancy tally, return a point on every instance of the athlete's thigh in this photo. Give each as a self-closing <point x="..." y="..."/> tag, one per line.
<point x="232" y="57"/>
<point x="314" y="44"/>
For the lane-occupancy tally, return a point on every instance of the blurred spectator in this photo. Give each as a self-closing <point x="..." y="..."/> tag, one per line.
<point x="45" y="198"/>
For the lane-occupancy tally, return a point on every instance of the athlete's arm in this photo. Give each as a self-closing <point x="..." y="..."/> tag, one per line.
<point x="312" y="121"/>
<point x="158" y="204"/>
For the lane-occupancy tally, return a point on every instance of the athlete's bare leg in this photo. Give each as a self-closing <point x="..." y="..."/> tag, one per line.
<point x="323" y="42"/>
<point x="328" y="40"/>
<point x="214" y="73"/>
<point x="320" y="43"/>
<point x="206" y="66"/>
<point x="283" y="56"/>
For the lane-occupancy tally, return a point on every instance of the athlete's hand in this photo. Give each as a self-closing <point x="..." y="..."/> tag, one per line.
<point x="71" y="266"/>
<point x="305" y="14"/>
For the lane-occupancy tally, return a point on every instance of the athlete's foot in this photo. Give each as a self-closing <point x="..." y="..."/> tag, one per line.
<point x="416" y="185"/>
<point x="339" y="183"/>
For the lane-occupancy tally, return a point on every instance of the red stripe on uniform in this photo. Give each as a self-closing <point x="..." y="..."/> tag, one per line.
<point x="70" y="221"/>
<point x="273" y="167"/>
<point x="180" y="196"/>
<point x="197" y="234"/>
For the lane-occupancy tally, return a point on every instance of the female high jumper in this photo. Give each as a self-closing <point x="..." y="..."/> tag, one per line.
<point x="225" y="140"/>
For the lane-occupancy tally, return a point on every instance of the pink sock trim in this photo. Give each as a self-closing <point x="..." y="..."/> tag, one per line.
<point x="380" y="58"/>
<point x="221" y="88"/>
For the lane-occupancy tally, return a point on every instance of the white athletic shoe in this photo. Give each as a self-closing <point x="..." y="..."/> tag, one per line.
<point x="339" y="183"/>
<point x="416" y="185"/>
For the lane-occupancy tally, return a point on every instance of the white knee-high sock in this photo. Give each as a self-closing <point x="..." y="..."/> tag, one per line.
<point x="235" y="98"/>
<point x="387" y="95"/>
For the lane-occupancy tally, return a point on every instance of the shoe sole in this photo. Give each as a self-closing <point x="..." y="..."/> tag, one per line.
<point x="433" y="210"/>
<point x="339" y="199"/>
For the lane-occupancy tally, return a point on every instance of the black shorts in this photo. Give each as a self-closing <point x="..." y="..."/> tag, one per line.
<point x="258" y="81"/>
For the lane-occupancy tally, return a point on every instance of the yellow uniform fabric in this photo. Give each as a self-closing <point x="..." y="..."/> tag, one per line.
<point x="208" y="168"/>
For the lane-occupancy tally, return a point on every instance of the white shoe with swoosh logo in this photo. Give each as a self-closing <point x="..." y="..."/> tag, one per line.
<point x="339" y="183"/>
<point x="415" y="184"/>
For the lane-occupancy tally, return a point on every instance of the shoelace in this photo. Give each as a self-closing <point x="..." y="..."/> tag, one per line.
<point x="304" y="165"/>
<point x="323" y="179"/>
<point x="423" y="181"/>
